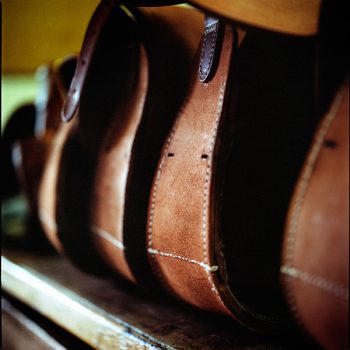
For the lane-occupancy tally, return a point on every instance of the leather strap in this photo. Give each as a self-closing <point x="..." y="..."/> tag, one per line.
<point x="97" y="22"/>
<point x="211" y="47"/>
<point x="315" y="263"/>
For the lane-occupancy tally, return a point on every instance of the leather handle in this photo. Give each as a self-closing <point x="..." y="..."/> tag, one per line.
<point x="91" y="37"/>
<point x="210" y="48"/>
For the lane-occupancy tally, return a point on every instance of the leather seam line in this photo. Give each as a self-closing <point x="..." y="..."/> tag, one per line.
<point x="294" y="219"/>
<point x="202" y="264"/>
<point x="201" y="71"/>
<point x="107" y="236"/>
<point x="317" y="281"/>
<point x="206" y="191"/>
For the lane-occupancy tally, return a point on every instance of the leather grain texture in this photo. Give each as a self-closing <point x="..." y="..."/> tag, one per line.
<point x="110" y="157"/>
<point x="315" y="269"/>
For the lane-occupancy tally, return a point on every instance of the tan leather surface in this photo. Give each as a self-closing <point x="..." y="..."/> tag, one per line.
<point x="49" y="127"/>
<point x="181" y="220"/>
<point x="47" y="196"/>
<point x="286" y="16"/>
<point x="315" y="269"/>
<point x="108" y="201"/>
<point x="116" y="156"/>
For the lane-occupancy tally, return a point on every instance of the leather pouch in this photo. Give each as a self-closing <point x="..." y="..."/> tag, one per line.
<point x="315" y="263"/>
<point x="227" y="170"/>
<point x="130" y="81"/>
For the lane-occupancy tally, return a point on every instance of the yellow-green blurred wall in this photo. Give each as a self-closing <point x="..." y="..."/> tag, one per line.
<point x="38" y="31"/>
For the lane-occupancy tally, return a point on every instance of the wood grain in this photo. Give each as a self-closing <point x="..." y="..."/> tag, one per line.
<point x="112" y="314"/>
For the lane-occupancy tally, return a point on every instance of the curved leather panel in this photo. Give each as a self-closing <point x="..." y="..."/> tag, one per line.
<point x="286" y="16"/>
<point x="181" y="230"/>
<point x="131" y="147"/>
<point x="97" y="22"/>
<point x="315" y="269"/>
<point x="49" y="105"/>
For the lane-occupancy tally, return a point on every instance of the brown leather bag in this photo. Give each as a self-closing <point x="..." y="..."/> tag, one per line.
<point x="227" y="171"/>
<point x="130" y="81"/>
<point x="315" y="263"/>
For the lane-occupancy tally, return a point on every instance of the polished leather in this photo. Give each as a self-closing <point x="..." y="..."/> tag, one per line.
<point x="315" y="266"/>
<point x="147" y="72"/>
<point x="210" y="48"/>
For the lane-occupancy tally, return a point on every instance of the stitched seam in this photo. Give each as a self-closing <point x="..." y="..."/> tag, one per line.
<point x="201" y="71"/>
<point x="206" y="186"/>
<point x="107" y="236"/>
<point x="206" y="267"/>
<point x="155" y="265"/>
<point x="294" y="220"/>
<point x="317" y="281"/>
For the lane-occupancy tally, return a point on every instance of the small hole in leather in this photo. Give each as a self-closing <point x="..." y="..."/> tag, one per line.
<point x="83" y="62"/>
<point x="204" y="156"/>
<point x="170" y="154"/>
<point x="330" y="144"/>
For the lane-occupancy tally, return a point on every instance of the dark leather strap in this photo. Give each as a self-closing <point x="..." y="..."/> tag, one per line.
<point x="210" y="48"/>
<point x="100" y="16"/>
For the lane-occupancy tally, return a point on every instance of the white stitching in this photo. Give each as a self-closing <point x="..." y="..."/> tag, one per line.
<point x="206" y="267"/>
<point x="155" y="187"/>
<point x="294" y="218"/>
<point x="317" y="281"/>
<point x="306" y="176"/>
<point x="202" y="72"/>
<point x="107" y="236"/>
<point x="206" y="185"/>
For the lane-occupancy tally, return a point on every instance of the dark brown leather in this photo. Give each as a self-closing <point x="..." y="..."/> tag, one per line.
<point x="315" y="266"/>
<point x="210" y="48"/>
<point x="145" y="63"/>
<point x="91" y="37"/>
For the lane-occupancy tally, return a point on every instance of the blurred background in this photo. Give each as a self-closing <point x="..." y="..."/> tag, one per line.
<point x="35" y="32"/>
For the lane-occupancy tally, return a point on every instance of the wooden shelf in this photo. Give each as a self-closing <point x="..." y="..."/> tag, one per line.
<point x="111" y="314"/>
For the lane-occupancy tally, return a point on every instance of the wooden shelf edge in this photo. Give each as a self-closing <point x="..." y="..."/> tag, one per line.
<point x="71" y="312"/>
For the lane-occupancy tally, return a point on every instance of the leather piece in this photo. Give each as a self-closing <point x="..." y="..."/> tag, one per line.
<point x="284" y="16"/>
<point x="180" y="229"/>
<point x="20" y="125"/>
<point x="103" y="194"/>
<point x="315" y="270"/>
<point x="210" y="48"/>
<point x="192" y="249"/>
<point x="47" y="191"/>
<point x="30" y="153"/>
<point x="97" y="22"/>
<point x="50" y="134"/>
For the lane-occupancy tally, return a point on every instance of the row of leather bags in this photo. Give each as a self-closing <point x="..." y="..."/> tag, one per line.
<point x="201" y="156"/>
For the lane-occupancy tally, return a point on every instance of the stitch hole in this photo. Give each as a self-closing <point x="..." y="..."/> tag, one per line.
<point x="204" y="156"/>
<point x="170" y="154"/>
<point x="83" y="62"/>
<point x="330" y="143"/>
